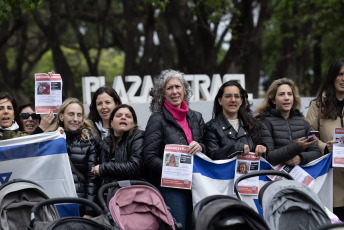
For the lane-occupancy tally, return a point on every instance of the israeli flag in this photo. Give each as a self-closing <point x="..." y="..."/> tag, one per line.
<point x="217" y="177"/>
<point x="41" y="158"/>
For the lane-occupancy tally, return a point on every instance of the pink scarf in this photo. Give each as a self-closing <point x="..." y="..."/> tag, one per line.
<point x="179" y="114"/>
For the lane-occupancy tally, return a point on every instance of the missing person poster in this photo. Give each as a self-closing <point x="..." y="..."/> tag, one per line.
<point x="48" y="92"/>
<point x="177" y="167"/>
<point x="245" y="164"/>
<point x="338" y="148"/>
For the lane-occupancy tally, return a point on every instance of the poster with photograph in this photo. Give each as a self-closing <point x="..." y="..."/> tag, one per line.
<point x="245" y="164"/>
<point x="296" y="172"/>
<point x="48" y="92"/>
<point x="338" y="148"/>
<point x="177" y="167"/>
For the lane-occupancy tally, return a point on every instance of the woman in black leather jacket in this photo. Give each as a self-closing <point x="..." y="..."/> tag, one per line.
<point x="81" y="148"/>
<point x="172" y="122"/>
<point x="286" y="130"/>
<point x="232" y="130"/>
<point x="121" y="153"/>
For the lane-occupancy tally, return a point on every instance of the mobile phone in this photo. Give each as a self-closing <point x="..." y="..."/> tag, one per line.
<point x="316" y="133"/>
<point x="312" y="137"/>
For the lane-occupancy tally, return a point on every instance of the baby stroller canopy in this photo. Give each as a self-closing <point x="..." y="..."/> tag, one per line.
<point x="136" y="205"/>
<point x="17" y="197"/>
<point x="289" y="202"/>
<point x="226" y="212"/>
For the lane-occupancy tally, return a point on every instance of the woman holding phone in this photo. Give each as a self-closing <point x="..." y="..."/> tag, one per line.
<point x="286" y="130"/>
<point x="326" y="113"/>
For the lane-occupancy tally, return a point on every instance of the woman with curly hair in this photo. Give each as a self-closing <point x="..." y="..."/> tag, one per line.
<point x="286" y="129"/>
<point x="172" y="122"/>
<point x="326" y="113"/>
<point x="81" y="148"/>
<point x="232" y="130"/>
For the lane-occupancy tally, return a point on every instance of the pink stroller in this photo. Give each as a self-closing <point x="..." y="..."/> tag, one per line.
<point x="136" y="205"/>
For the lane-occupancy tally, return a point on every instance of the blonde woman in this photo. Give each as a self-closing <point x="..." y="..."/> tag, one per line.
<point x="286" y="129"/>
<point x="81" y="148"/>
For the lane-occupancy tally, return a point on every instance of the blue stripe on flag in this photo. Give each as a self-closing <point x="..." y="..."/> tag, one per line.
<point x="45" y="148"/>
<point x="215" y="171"/>
<point x="320" y="168"/>
<point x="67" y="210"/>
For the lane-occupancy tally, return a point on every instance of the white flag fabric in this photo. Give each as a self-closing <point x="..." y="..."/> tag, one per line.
<point x="212" y="177"/>
<point x="41" y="158"/>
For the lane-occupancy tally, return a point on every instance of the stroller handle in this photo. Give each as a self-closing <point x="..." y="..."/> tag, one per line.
<point x="120" y="184"/>
<point x="259" y="173"/>
<point x="62" y="200"/>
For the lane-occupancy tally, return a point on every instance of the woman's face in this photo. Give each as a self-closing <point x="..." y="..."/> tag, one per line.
<point x="242" y="168"/>
<point x="122" y="121"/>
<point x="173" y="159"/>
<point x="105" y="106"/>
<point x="284" y="98"/>
<point x="29" y="124"/>
<point x="230" y="101"/>
<point x="72" y="117"/>
<point x="174" y="92"/>
<point x="41" y="89"/>
<point x="339" y="82"/>
<point x="6" y="113"/>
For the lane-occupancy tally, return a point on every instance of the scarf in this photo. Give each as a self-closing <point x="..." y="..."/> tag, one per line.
<point x="179" y="114"/>
<point x="13" y="127"/>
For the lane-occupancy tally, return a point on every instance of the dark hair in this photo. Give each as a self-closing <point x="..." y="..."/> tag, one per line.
<point x="6" y="95"/>
<point x="93" y="114"/>
<point x="116" y="140"/>
<point x="251" y="124"/>
<point x="20" y="108"/>
<point x="326" y="99"/>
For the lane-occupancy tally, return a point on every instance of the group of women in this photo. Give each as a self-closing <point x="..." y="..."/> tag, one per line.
<point x="108" y="145"/>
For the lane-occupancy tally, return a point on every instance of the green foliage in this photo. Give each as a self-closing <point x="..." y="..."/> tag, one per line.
<point x="7" y="7"/>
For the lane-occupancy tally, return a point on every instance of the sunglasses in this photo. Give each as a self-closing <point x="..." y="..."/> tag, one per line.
<point x="25" y="116"/>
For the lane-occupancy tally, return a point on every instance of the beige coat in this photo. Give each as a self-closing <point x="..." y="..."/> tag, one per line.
<point x="326" y="130"/>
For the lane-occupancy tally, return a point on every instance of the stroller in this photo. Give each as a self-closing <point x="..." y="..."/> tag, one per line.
<point x="226" y="212"/>
<point x="286" y="202"/>
<point x="17" y="197"/>
<point x="100" y="222"/>
<point x="135" y="204"/>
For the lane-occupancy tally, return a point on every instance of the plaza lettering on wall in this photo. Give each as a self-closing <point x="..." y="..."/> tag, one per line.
<point x="204" y="88"/>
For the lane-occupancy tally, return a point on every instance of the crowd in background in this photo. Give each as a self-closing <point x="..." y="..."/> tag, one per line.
<point x="108" y="145"/>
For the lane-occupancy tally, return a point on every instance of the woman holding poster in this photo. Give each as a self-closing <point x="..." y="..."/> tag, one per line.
<point x="172" y="122"/>
<point x="325" y="113"/>
<point x="286" y="130"/>
<point x="232" y="130"/>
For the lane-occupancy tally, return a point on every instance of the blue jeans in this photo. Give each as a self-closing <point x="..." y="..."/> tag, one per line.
<point x="180" y="202"/>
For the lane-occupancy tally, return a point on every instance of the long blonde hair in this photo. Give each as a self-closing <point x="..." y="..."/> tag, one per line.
<point x="86" y="123"/>
<point x="271" y="94"/>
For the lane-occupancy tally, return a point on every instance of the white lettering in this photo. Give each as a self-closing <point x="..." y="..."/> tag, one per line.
<point x="202" y="86"/>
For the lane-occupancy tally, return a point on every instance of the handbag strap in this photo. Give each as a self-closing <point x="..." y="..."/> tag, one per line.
<point x="76" y="171"/>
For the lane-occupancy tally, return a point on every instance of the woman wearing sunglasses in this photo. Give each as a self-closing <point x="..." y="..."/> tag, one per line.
<point x="31" y="122"/>
<point x="9" y="128"/>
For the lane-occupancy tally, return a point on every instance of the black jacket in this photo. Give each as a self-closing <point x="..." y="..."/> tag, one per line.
<point x="83" y="155"/>
<point x="126" y="162"/>
<point x="281" y="135"/>
<point x="161" y="130"/>
<point x="223" y="141"/>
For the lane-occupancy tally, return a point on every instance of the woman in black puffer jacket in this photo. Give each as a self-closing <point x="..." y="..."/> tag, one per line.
<point x="81" y="148"/>
<point x="121" y="153"/>
<point x="285" y="127"/>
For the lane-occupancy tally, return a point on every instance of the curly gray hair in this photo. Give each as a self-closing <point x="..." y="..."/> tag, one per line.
<point x="158" y="91"/>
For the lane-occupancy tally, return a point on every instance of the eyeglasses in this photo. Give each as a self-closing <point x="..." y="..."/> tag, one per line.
<point x="236" y="96"/>
<point x="25" y="116"/>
